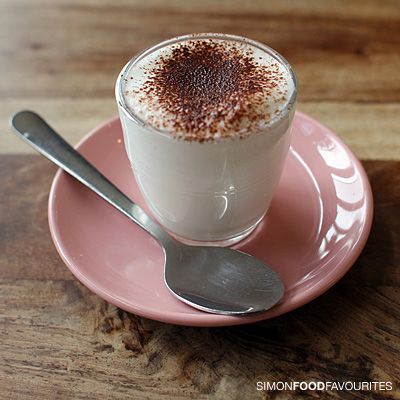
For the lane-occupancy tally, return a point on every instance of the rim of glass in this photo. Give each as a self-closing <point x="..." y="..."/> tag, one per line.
<point x="199" y="36"/>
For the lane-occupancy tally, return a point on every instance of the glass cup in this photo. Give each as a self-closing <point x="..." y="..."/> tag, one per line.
<point x="209" y="193"/>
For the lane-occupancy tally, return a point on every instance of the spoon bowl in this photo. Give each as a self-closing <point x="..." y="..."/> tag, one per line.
<point x="221" y="280"/>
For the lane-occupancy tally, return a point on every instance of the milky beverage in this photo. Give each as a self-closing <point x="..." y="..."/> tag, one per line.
<point x="206" y="122"/>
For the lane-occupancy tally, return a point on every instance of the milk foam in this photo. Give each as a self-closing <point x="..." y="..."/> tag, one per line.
<point x="152" y="111"/>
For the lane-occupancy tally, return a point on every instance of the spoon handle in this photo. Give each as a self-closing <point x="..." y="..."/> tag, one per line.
<point x="34" y="130"/>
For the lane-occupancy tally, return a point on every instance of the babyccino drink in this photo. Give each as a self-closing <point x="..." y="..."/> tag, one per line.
<point x="206" y="121"/>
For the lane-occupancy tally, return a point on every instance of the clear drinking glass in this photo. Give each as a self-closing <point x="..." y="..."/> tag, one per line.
<point x="212" y="193"/>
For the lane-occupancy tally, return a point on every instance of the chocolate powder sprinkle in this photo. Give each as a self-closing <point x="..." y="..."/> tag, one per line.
<point x="210" y="89"/>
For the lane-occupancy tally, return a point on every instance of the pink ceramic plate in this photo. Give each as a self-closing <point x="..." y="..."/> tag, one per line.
<point x="316" y="227"/>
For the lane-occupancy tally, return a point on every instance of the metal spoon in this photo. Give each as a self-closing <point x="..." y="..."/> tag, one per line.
<point x="213" y="279"/>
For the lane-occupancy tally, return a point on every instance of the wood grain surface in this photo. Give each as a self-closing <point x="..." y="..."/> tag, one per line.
<point x="60" y="341"/>
<point x="62" y="58"/>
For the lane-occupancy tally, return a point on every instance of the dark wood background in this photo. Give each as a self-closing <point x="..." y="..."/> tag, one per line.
<point x="58" y="340"/>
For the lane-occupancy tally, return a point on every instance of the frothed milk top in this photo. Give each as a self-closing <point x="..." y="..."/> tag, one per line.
<point x="207" y="89"/>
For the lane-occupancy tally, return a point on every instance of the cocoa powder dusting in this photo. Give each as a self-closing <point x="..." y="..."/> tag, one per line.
<point x="209" y="89"/>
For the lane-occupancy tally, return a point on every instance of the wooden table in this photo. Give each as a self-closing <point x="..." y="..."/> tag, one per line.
<point x="60" y="341"/>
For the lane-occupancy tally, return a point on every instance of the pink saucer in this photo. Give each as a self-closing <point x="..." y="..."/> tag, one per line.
<point x="316" y="227"/>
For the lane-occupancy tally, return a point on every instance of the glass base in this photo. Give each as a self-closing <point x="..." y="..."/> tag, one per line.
<point x="218" y="243"/>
